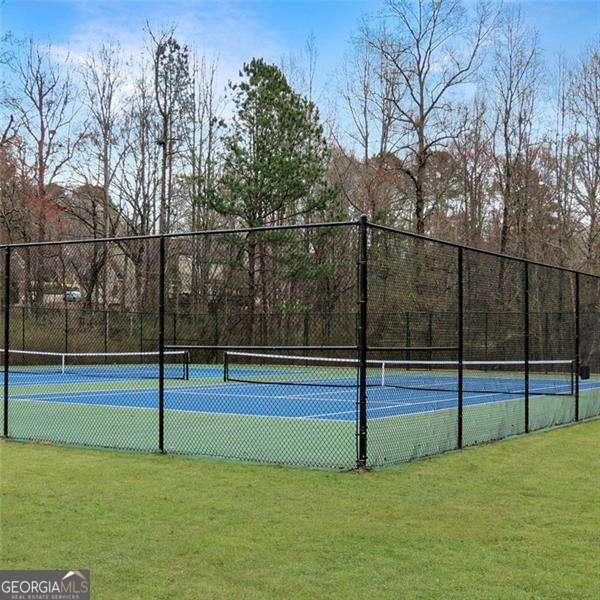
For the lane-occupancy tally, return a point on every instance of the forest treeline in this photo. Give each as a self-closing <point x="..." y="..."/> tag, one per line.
<point x="445" y="119"/>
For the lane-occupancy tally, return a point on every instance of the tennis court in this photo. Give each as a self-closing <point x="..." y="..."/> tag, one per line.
<point x="348" y="345"/>
<point x="288" y="386"/>
<point x="309" y="402"/>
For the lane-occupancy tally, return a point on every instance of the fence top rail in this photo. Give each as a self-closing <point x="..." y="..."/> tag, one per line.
<point x="167" y="236"/>
<point x="266" y="228"/>
<point x="458" y="245"/>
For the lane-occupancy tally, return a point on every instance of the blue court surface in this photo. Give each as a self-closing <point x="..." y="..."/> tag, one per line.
<point x="205" y="392"/>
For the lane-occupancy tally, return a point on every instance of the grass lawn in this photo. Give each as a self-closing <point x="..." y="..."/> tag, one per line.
<point x="515" y="519"/>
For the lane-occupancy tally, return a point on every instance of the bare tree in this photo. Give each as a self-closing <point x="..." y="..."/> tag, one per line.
<point x="137" y="181"/>
<point x="201" y="137"/>
<point x="430" y="50"/>
<point x="137" y="175"/>
<point x="101" y="77"/>
<point x="171" y="89"/>
<point x="16" y="187"/>
<point x="365" y="91"/>
<point x="90" y="204"/>
<point x="555" y="163"/>
<point x="515" y="77"/>
<point x="473" y="151"/>
<point x="42" y="101"/>
<point x="584" y="109"/>
<point x="41" y="98"/>
<point x="200" y="165"/>
<point x="8" y="130"/>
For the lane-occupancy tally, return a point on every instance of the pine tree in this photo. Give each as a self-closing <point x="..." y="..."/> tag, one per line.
<point x="275" y="154"/>
<point x="274" y="172"/>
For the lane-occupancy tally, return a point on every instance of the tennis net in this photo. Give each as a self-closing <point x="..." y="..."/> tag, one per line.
<point x="120" y="365"/>
<point x="547" y="377"/>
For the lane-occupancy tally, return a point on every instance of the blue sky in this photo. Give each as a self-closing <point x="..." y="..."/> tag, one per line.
<point x="234" y="31"/>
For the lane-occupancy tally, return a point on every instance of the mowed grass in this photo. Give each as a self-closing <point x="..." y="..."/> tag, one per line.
<point x="515" y="519"/>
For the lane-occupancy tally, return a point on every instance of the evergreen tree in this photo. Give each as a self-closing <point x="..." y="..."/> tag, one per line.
<point x="275" y="155"/>
<point x="274" y="171"/>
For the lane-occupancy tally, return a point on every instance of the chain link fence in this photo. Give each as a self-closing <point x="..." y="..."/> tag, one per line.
<point x="333" y="345"/>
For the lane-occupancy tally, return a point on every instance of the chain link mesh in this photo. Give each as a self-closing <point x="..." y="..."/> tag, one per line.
<point x="284" y="292"/>
<point x="261" y="345"/>
<point x="66" y="388"/>
<point x="552" y="335"/>
<point x="589" y="327"/>
<point x="494" y="306"/>
<point x="409" y="280"/>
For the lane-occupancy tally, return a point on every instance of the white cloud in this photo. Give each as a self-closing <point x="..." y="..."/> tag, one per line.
<point x="229" y="31"/>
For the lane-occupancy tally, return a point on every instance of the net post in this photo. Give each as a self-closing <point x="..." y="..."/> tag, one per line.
<point x="226" y="366"/>
<point x="186" y="369"/>
<point x="361" y="459"/>
<point x="161" y="345"/>
<point x="6" y="334"/>
<point x="461" y="347"/>
<point x="526" y="326"/>
<point x="577" y="346"/>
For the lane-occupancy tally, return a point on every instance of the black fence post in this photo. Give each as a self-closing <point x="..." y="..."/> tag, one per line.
<point x="407" y="335"/>
<point x="6" y="333"/>
<point x="546" y="334"/>
<point x="305" y="329"/>
<point x="577" y="345"/>
<point x="141" y="332"/>
<point x="66" y="328"/>
<point x="461" y="348"/>
<point x="361" y="459"/>
<point x="105" y="330"/>
<point x="487" y="324"/>
<point x="23" y="316"/>
<point x="526" y="339"/>
<point x="161" y="346"/>
<point x="430" y="335"/>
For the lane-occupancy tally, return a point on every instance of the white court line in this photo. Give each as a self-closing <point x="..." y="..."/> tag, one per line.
<point x="513" y="398"/>
<point x="379" y="408"/>
<point x="453" y="399"/>
<point x="508" y="398"/>
<point x="84" y="393"/>
<point x="196" y="393"/>
<point x="270" y="416"/>
<point x="176" y="410"/>
<point x="314" y="398"/>
<point x="54" y="399"/>
<point x="317" y="416"/>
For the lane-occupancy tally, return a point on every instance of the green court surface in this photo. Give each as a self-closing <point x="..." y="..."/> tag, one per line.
<point x="201" y="420"/>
